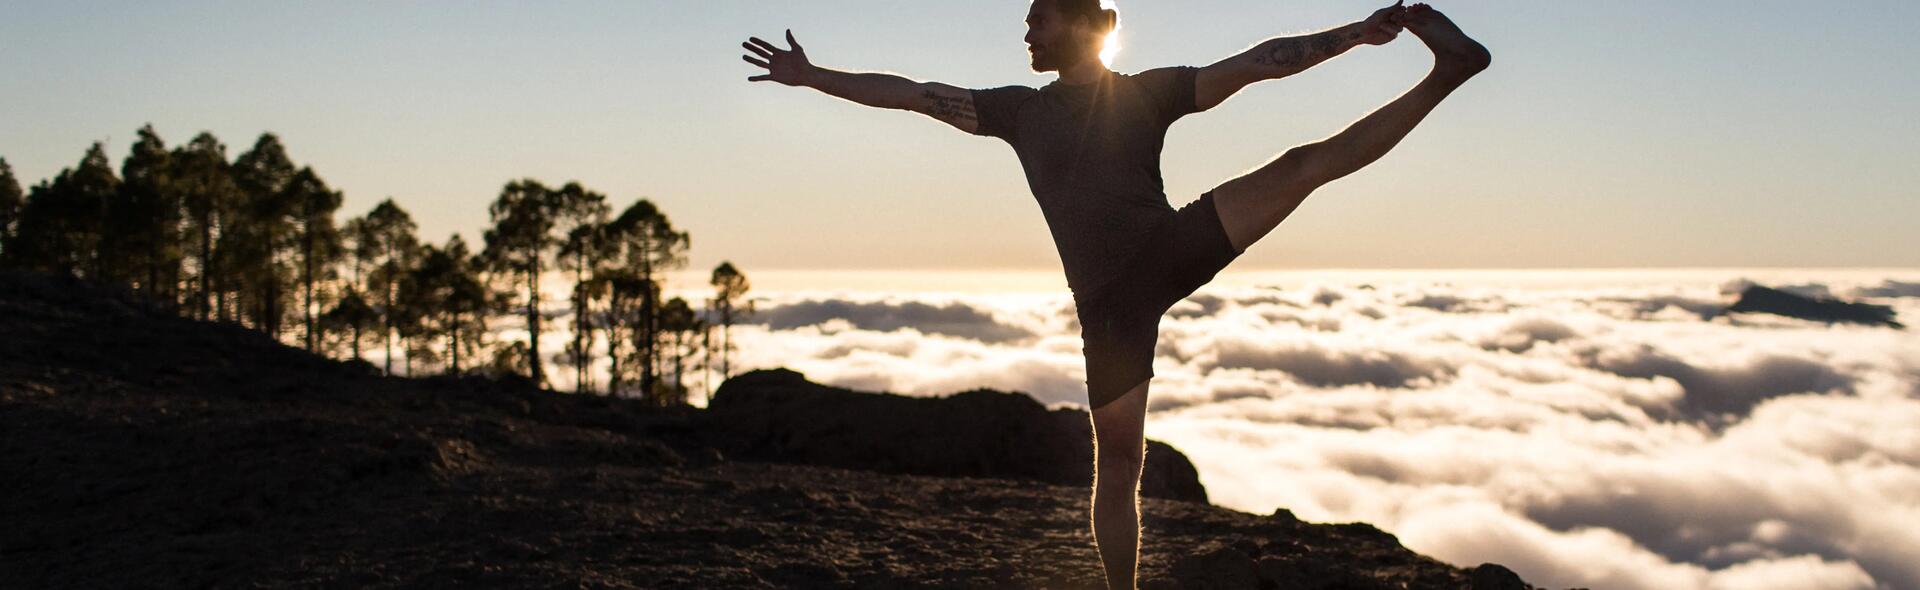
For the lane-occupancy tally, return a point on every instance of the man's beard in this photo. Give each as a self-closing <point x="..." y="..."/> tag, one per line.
<point x="1049" y="59"/>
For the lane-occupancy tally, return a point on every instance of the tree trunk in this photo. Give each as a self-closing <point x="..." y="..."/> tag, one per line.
<point x="679" y="354"/>
<point x="613" y="342"/>
<point x="307" y="309"/>
<point x="206" y="265"/>
<point x="386" y="321"/>
<point x="706" y="363"/>
<point x="647" y="339"/>
<point x="453" y="343"/>
<point x="538" y="375"/>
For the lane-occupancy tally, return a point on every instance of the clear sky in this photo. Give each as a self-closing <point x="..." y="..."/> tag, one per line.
<point x="1612" y="134"/>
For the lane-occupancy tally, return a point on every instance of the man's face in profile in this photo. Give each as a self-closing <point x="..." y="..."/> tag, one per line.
<point x="1052" y="41"/>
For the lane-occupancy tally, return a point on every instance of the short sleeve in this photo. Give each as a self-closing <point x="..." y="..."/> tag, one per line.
<point x="1171" y="90"/>
<point x="997" y="109"/>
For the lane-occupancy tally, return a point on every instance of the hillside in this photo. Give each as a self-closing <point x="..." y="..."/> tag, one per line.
<point x="145" y="450"/>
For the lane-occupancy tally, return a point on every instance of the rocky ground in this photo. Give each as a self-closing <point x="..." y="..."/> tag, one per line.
<point x="138" y="449"/>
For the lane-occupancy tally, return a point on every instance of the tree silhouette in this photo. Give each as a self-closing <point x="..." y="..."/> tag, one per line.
<point x="319" y="242"/>
<point x="250" y="239"/>
<point x="11" y="199"/>
<point x="263" y="235"/>
<point x="60" y="223"/>
<point x="730" y="288"/>
<point x="351" y="316"/>
<point x="413" y="317"/>
<point x="625" y="289"/>
<point x="143" y="226"/>
<point x="581" y="216"/>
<point x="679" y="322"/>
<point x="363" y="248"/>
<point x="706" y="356"/>
<point x="650" y="247"/>
<point x="443" y="298"/>
<point x="518" y="245"/>
<point x="200" y="172"/>
<point x="415" y="309"/>
<point x="468" y="303"/>
<point x="387" y="233"/>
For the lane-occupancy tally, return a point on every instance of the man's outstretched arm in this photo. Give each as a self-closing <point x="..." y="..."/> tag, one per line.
<point x="1280" y="57"/>
<point x="950" y="104"/>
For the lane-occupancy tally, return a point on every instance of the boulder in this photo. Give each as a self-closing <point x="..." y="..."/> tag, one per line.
<point x="778" y="415"/>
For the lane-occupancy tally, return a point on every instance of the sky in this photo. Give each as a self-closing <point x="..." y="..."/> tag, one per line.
<point x="1606" y="134"/>
<point x="1585" y="428"/>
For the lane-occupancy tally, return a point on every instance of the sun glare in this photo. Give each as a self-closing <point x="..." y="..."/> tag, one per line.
<point x="1111" y="47"/>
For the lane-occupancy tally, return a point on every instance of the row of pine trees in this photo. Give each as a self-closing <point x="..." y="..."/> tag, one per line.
<point x="253" y="241"/>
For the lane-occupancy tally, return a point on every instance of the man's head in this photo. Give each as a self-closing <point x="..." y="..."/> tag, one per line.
<point x="1063" y="33"/>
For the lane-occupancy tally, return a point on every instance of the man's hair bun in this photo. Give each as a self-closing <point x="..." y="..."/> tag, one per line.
<point x="1103" y="19"/>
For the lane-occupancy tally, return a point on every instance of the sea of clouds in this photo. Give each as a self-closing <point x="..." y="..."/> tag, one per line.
<point x="1596" y="432"/>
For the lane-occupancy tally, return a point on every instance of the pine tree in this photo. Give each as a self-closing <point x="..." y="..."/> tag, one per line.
<point x="730" y="287"/>
<point x="443" y="298"/>
<point x="200" y="171"/>
<point x="319" y="244"/>
<point x="706" y="355"/>
<point x="388" y="234"/>
<point x="518" y="245"/>
<point x="350" y="316"/>
<point x="581" y="216"/>
<point x="145" y="225"/>
<point x="60" y="224"/>
<point x="468" y="304"/>
<point x="624" y="292"/>
<point x="11" y="199"/>
<point x="680" y="323"/>
<point x="650" y="247"/>
<point x="263" y="239"/>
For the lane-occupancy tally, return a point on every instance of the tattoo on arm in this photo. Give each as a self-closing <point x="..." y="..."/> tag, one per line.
<point x="1289" y="55"/>
<point x="952" y="109"/>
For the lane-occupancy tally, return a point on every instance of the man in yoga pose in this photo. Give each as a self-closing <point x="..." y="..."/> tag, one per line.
<point x="1090" y="146"/>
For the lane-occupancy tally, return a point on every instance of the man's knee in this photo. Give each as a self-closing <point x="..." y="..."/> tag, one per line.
<point x="1121" y="460"/>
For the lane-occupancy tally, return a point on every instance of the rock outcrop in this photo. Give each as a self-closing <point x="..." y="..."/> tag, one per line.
<point x="777" y="415"/>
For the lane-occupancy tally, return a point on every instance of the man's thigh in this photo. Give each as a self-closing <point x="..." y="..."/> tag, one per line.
<point x="1118" y="331"/>
<point x="1251" y="205"/>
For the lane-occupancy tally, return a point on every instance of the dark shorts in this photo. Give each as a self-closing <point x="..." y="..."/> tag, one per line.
<point x="1120" y="323"/>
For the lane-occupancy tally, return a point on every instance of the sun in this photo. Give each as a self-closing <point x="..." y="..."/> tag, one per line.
<point x="1111" y="47"/>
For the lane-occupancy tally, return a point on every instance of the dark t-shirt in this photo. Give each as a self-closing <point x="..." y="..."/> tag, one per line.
<point x="1092" y="157"/>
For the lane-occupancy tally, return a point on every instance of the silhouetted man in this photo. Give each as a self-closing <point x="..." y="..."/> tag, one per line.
<point x="1090" y="145"/>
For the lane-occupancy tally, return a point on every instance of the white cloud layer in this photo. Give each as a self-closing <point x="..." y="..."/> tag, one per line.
<point x="1604" y="435"/>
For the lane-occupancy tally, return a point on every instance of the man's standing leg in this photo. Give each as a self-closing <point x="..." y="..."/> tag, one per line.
<point x="1119" y="452"/>
<point x="1253" y="204"/>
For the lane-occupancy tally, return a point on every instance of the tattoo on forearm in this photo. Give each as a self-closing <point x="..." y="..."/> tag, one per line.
<point x="949" y="108"/>
<point x="1293" y="53"/>
<point x="1281" y="53"/>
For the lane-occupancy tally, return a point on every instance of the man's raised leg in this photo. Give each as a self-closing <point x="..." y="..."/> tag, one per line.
<point x="1119" y="452"/>
<point x="1255" y="203"/>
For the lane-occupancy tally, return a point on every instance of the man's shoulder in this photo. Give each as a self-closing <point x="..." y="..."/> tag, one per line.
<point x="1011" y="94"/>
<point x="1162" y="72"/>
<point x="1008" y="89"/>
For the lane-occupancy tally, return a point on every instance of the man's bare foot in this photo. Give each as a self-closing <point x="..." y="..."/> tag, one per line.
<point x="1454" y="53"/>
